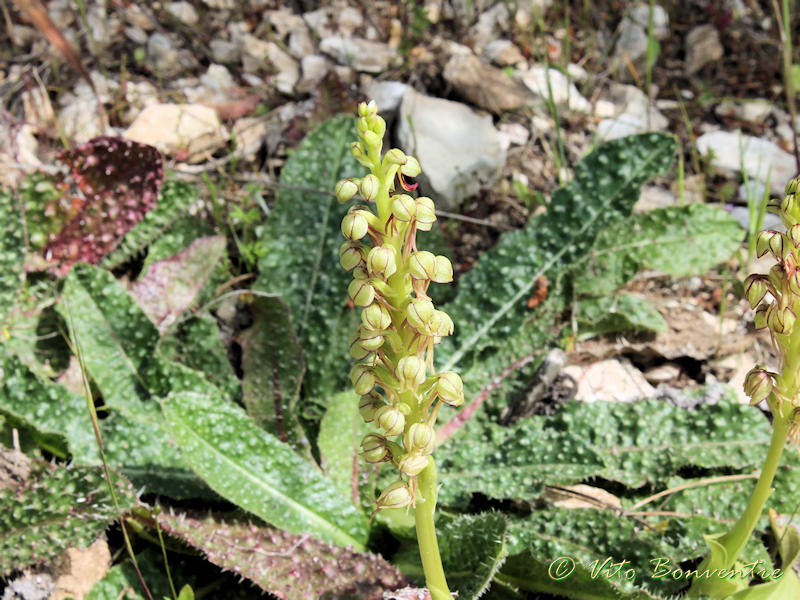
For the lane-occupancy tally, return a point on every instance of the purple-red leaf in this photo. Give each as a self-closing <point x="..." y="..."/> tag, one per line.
<point x="119" y="181"/>
<point x="172" y="284"/>
<point x="289" y="566"/>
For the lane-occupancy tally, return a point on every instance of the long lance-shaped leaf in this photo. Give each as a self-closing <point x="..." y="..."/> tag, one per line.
<point x="490" y="306"/>
<point x="302" y="264"/>
<point x="679" y="240"/>
<point x="290" y="566"/>
<point x="12" y="253"/>
<point x="256" y="471"/>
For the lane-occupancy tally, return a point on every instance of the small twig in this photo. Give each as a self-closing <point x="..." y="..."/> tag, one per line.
<point x="686" y="486"/>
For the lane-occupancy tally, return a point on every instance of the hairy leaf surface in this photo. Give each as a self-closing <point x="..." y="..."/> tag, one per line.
<point x="259" y="473"/>
<point x="620" y="312"/>
<point x="12" y="252"/>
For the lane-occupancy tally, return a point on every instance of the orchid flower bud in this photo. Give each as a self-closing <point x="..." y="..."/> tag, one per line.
<point x="346" y="189"/>
<point x="368" y="404"/>
<point x="794" y="235"/>
<point x="370" y="340"/>
<point x="764" y="241"/>
<point x="404" y="208"/>
<point x="379" y="126"/>
<point x="418" y="313"/>
<point x="780" y="320"/>
<point x="396" y="495"/>
<point x="422" y="265"/>
<point x="443" y="273"/>
<point x="361" y="292"/>
<point x="413" y="464"/>
<point x="450" y="388"/>
<point x="381" y="260"/>
<point x="440" y="324"/>
<point x="372" y="139"/>
<point x="391" y="420"/>
<point x="420" y="438"/>
<point x="411" y="167"/>
<point x="357" y="351"/>
<point x="376" y="317"/>
<point x="369" y="187"/>
<point x="758" y="384"/>
<point x="351" y="254"/>
<point x="355" y="225"/>
<point x="426" y="213"/>
<point x="760" y="316"/>
<point x="362" y="378"/>
<point x="755" y="288"/>
<point x="374" y="449"/>
<point x="358" y="153"/>
<point x="360" y="272"/>
<point x="411" y="371"/>
<point x="395" y="156"/>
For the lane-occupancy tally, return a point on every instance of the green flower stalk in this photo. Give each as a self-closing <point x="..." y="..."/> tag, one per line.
<point x="400" y="393"/>
<point x="775" y="297"/>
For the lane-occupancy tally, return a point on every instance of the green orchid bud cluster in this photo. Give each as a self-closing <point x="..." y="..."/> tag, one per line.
<point x="400" y="393"/>
<point x="775" y="298"/>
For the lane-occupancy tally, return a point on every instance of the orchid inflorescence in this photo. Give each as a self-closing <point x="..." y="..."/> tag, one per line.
<point x="400" y="326"/>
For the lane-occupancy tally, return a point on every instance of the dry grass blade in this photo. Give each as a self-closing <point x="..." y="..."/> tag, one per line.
<point x="37" y="13"/>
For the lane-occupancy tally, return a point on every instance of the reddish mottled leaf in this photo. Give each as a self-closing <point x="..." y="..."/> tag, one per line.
<point x="118" y="182"/>
<point x="170" y="285"/>
<point x="289" y="566"/>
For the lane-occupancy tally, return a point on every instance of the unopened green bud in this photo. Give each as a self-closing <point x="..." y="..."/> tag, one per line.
<point x="369" y="187"/>
<point x="440" y="324"/>
<point x="381" y="260"/>
<point x="376" y="317"/>
<point x="362" y="125"/>
<point x="422" y="265"/>
<point x="450" y="388"/>
<point x="411" y="371"/>
<point x="794" y="282"/>
<point x="418" y="313"/>
<point x="355" y="225"/>
<point x="791" y="186"/>
<point x="396" y="495"/>
<point x="351" y="254"/>
<point x="760" y="316"/>
<point x="379" y="126"/>
<point x="413" y="464"/>
<point x="404" y="208"/>
<point x="443" y="272"/>
<point x="420" y="438"/>
<point x="358" y="153"/>
<point x="362" y="378"/>
<point x="372" y="140"/>
<point x="357" y="351"/>
<point x="780" y="319"/>
<point x="395" y="156"/>
<point x="426" y="213"/>
<point x="346" y="189"/>
<point x="374" y="449"/>
<point x="411" y="167"/>
<point x="370" y="340"/>
<point x="794" y="235"/>
<point x="764" y="241"/>
<point x="360" y="272"/>
<point x="368" y="404"/>
<point x="758" y="384"/>
<point x="390" y="419"/>
<point x="361" y="292"/>
<point x="366" y="109"/>
<point x="755" y="288"/>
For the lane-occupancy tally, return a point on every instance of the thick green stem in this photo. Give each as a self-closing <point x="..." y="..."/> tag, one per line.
<point x="426" y="534"/>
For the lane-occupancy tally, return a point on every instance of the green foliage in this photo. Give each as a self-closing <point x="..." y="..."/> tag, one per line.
<point x="294" y="567"/>
<point x="273" y="367"/>
<point x="340" y="434"/>
<point x="473" y="549"/>
<point x="678" y="240"/>
<point x="53" y="508"/>
<point x="122" y="583"/>
<point x="621" y="312"/>
<point x="12" y="252"/>
<point x="259" y="473"/>
<point x="512" y="462"/>
<point x="648" y="441"/>
<point x="491" y="303"/>
<point x="175" y="199"/>
<point x="302" y="239"/>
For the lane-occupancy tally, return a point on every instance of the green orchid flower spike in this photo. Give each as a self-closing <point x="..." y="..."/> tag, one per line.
<point x="400" y="392"/>
<point x="775" y="298"/>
